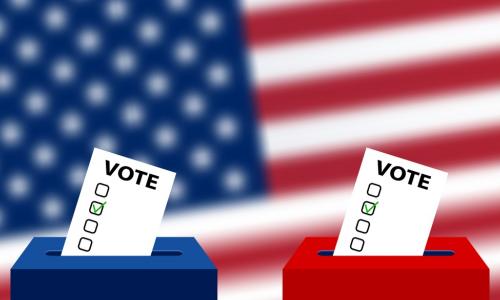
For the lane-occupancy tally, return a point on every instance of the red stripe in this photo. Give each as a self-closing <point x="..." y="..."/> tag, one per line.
<point x="378" y="87"/>
<point x="282" y="24"/>
<point x="337" y="167"/>
<point x="495" y="290"/>
<point x="477" y="223"/>
<point x="4" y="289"/>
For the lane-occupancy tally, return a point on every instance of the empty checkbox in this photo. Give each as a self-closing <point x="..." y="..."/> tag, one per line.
<point x="85" y="244"/>
<point x="90" y="226"/>
<point x="362" y="226"/>
<point x="374" y="190"/>
<point x="102" y="190"/>
<point x="357" y="244"/>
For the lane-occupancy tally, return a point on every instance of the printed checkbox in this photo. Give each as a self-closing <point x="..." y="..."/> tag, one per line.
<point x="102" y="190"/>
<point x="96" y="208"/>
<point x="368" y="208"/>
<point x="90" y="226"/>
<point x="374" y="190"/>
<point x="362" y="226"/>
<point x="357" y="244"/>
<point x="85" y="244"/>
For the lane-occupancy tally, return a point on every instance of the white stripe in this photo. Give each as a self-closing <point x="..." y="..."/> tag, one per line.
<point x="338" y="54"/>
<point x="265" y="287"/>
<point x="251" y="6"/>
<point x="423" y="116"/>
<point x="490" y="253"/>
<point x="289" y="215"/>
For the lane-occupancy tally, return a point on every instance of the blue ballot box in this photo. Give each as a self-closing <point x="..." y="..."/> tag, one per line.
<point x="177" y="269"/>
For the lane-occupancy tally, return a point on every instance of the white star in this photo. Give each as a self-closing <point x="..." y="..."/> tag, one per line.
<point x="165" y="137"/>
<point x="185" y="52"/>
<point x="210" y="22"/>
<point x="44" y="155"/>
<point x="97" y="93"/>
<point x="157" y="84"/>
<point x="218" y="75"/>
<point x="76" y="174"/>
<point x="28" y="50"/>
<point x="20" y="4"/>
<point x="226" y="127"/>
<point x="116" y="10"/>
<point x="55" y="18"/>
<point x="52" y="207"/>
<point x="201" y="158"/>
<point x="11" y="133"/>
<point x="132" y="114"/>
<point x="124" y="61"/>
<point x="63" y="70"/>
<point x="71" y="124"/>
<point x="18" y="186"/>
<point x="179" y="190"/>
<point x="193" y="105"/>
<point x="88" y="40"/>
<point x="149" y="31"/>
<point x="7" y="80"/>
<point x="36" y="102"/>
<point x="234" y="180"/>
<point x="177" y="6"/>
<point x="106" y="141"/>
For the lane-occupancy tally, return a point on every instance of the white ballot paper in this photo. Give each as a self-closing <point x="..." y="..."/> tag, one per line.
<point x="392" y="207"/>
<point x="120" y="208"/>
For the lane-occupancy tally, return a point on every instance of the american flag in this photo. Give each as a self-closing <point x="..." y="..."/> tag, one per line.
<point x="165" y="82"/>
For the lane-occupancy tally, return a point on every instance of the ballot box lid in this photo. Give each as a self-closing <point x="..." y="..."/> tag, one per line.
<point x="168" y="253"/>
<point x="441" y="253"/>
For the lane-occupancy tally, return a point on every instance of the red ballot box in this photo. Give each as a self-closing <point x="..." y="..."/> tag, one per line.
<point x="450" y="269"/>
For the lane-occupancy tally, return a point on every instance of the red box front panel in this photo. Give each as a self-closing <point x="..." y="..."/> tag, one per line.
<point x="463" y="275"/>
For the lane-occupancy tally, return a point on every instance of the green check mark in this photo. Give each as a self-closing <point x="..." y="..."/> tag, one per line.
<point x="97" y="207"/>
<point x="369" y="208"/>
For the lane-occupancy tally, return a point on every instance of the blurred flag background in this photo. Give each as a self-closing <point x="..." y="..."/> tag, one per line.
<point x="416" y="79"/>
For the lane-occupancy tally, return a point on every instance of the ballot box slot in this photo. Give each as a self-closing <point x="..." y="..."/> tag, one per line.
<point x="154" y="253"/>
<point x="166" y="253"/>
<point x="426" y="253"/>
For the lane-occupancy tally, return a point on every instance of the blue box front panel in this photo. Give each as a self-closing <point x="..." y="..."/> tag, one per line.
<point x="179" y="269"/>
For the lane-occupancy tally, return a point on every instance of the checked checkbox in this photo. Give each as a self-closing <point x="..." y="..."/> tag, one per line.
<point x="96" y="208"/>
<point x="368" y="208"/>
